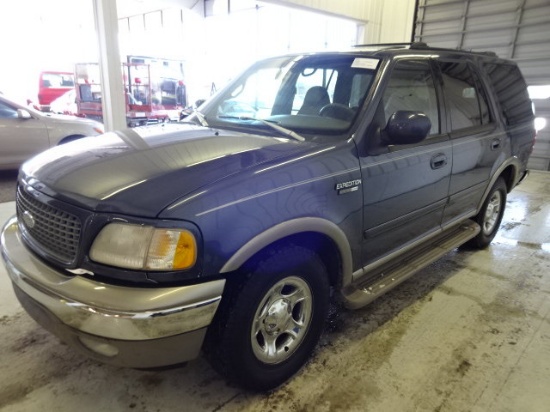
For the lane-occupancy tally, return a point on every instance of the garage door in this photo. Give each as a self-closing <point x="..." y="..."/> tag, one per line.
<point x="514" y="29"/>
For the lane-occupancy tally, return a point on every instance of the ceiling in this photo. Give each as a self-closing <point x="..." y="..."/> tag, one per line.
<point x="127" y="8"/>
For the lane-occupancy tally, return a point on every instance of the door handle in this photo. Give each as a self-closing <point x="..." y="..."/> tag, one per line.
<point x="438" y="161"/>
<point x="495" y="144"/>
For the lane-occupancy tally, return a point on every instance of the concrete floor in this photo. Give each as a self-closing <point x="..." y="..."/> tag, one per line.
<point x="469" y="333"/>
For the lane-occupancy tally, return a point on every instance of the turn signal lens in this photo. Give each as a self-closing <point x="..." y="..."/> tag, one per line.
<point x="144" y="247"/>
<point x="171" y="250"/>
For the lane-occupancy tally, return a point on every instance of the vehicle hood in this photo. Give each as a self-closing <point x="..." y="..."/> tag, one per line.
<point x="141" y="171"/>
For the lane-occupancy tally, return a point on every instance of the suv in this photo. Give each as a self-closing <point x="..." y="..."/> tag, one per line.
<point x="309" y="178"/>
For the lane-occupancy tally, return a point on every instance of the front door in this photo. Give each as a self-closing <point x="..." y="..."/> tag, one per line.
<point x="405" y="187"/>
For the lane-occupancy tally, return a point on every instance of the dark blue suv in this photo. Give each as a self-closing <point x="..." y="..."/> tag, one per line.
<point x="310" y="177"/>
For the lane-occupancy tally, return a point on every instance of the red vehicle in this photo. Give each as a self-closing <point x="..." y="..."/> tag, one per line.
<point x="51" y="85"/>
<point x="154" y="89"/>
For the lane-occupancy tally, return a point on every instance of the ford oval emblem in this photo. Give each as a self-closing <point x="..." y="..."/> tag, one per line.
<point x="28" y="219"/>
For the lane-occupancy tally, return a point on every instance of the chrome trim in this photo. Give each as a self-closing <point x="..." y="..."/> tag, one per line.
<point x="358" y="274"/>
<point x="117" y="312"/>
<point x="363" y="292"/>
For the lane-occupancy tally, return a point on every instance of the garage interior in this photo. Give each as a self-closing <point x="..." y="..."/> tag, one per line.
<point x="469" y="333"/>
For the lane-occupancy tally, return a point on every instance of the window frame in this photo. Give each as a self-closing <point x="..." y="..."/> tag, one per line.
<point x="480" y="87"/>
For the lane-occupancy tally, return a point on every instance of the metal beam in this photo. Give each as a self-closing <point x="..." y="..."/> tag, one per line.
<point x="113" y="98"/>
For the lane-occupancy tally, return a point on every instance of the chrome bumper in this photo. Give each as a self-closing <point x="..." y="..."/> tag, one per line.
<point x="100" y="313"/>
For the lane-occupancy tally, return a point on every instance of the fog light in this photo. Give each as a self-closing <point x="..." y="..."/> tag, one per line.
<point x="101" y="348"/>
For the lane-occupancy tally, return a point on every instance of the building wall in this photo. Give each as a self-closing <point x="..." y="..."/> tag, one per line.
<point x="513" y="29"/>
<point x="387" y="21"/>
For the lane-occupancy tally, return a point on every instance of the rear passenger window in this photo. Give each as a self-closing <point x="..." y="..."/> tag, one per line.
<point x="511" y="92"/>
<point x="465" y="96"/>
<point x="411" y="88"/>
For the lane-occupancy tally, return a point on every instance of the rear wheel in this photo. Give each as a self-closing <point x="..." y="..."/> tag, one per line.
<point x="268" y="326"/>
<point x="490" y="215"/>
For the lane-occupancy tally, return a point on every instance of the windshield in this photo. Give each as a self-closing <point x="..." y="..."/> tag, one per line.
<point x="308" y="94"/>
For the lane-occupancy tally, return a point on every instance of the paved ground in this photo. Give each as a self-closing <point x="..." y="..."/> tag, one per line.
<point x="469" y="333"/>
<point x="8" y="179"/>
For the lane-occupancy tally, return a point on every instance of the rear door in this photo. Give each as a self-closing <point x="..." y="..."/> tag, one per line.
<point x="476" y="140"/>
<point x="405" y="187"/>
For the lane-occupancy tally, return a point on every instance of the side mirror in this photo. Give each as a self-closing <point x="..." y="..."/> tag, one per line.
<point x="23" y="114"/>
<point x="407" y="127"/>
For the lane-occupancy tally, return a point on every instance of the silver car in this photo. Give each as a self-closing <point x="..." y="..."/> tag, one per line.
<point x="25" y="132"/>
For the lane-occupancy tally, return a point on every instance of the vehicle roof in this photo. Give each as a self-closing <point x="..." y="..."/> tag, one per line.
<point x="389" y="50"/>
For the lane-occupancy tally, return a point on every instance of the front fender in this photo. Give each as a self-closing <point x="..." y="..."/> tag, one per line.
<point x="294" y="227"/>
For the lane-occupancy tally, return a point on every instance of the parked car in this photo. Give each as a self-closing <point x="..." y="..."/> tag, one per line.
<point x="25" y="132"/>
<point x="310" y="177"/>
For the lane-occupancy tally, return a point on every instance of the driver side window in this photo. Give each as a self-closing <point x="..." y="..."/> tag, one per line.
<point x="411" y="88"/>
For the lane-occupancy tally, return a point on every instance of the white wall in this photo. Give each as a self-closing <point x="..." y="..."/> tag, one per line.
<point x="388" y="21"/>
<point x="55" y="34"/>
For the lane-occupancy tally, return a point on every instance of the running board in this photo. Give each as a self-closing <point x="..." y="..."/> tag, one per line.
<point x="386" y="277"/>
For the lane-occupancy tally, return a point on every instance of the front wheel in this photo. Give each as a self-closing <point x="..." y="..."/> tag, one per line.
<point x="268" y="326"/>
<point x="490" y="215"/>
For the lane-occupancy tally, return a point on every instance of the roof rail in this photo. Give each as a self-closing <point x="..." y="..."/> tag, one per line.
<point x="422" y="45"/>
<point x="415" y="45"/>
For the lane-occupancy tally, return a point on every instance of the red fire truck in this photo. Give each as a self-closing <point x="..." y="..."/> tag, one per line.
<point x="51" y="85"/>
<point x="154" y="88"/>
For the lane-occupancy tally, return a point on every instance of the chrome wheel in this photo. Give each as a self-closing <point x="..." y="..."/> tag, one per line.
<point x="281" y="320"/>
<point x="492" y="213"/>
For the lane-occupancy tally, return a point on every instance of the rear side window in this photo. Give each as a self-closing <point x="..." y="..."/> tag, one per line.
<point x="465" y="96"/>
<point x="511" y="91"/>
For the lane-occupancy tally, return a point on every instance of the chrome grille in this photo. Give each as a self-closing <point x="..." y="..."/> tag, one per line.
<point x="55" y="231"/>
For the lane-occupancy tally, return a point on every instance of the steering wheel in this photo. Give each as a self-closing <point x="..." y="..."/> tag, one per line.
<point x="337" y="111"/>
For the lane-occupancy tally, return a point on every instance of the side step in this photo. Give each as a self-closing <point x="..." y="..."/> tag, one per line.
<point x="391" y="274"/>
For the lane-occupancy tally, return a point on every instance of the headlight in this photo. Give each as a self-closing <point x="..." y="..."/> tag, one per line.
<point x="144" y="247"/>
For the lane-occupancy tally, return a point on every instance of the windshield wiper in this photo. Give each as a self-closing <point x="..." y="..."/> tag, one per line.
<point x="283" y="130"/>
<point x="200" y="116"/>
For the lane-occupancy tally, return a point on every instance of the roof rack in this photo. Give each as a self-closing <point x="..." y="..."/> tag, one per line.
<point x="415" y="45"/>
<point x="419" y="46"/>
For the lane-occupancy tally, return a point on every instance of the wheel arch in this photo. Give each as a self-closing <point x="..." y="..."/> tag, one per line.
<point x="319" y="235"/>
<point x="70" y="138"/>
<point x="509" y="172"/>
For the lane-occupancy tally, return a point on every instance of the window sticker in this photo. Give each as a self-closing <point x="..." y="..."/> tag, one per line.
<point x="365" y="63"/>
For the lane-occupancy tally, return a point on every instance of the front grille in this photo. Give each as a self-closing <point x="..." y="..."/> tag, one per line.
<point x="55" y="231"/>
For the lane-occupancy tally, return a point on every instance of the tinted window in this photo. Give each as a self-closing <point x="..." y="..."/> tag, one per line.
<point x="57" y="80"/>
<point x="7" y="111"/>
<point x="511" y="92"/>
<point x="465" y="97"/>
<point x="411" y="88"/>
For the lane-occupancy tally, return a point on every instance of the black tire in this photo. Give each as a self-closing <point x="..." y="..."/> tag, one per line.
<point x="270" y="322"/>
<point x="490" y="215"/>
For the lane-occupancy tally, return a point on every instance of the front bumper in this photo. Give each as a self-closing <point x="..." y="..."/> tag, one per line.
<point x="125" y="326"/>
